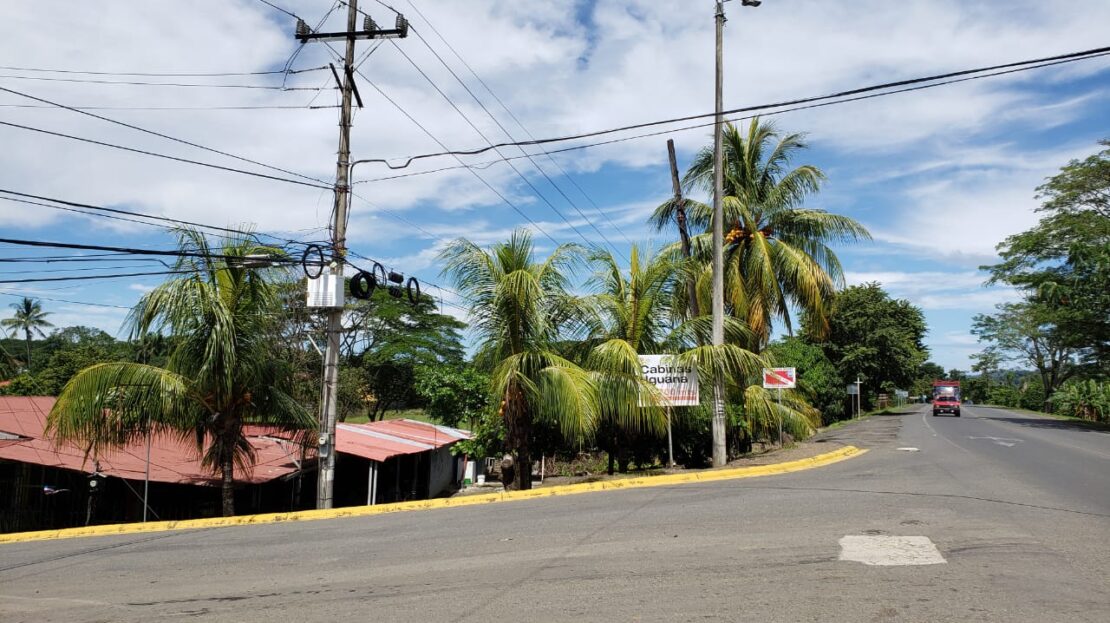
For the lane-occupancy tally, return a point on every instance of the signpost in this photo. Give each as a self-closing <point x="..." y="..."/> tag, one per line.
<point x="853" y="390"/>
<point x="677" y="383"/>
<point x="780" y="379"/>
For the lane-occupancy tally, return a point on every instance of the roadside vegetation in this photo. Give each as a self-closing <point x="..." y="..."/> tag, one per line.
<point x="555" y="334"/>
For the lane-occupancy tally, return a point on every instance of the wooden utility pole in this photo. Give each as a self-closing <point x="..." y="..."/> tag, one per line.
<point x="683" y="232"/>
<point x="328" y="408"/>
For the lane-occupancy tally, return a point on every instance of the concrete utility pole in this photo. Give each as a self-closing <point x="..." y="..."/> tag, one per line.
<point x="720" y="455"/>
<point x="326" y="452"/>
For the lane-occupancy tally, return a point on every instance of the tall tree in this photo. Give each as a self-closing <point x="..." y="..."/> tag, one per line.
<point x="875" y="338"/>
<point x="637" y="312"/>
<point x="778" y="255"/>
<point x="517" y="306"/>
<point x="1064" y="262"/>
<point x="1028" y="332"/>
<point x="390" y="338"/>
<point x="28" y="319"/>
<point x="221" y="373"/>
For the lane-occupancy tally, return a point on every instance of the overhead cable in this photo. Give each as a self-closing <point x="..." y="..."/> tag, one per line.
<point x="1020" y="65"/>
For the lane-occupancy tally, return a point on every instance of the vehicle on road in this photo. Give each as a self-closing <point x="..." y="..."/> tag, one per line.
<point x="946" y="398"/>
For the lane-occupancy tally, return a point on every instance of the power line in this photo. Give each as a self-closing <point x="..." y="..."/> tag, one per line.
<point x="165" y="74"/>
<point x="467" y="119"/>
<point x="277" y="8"/>
<point x="474" y="173"/>
<point x="143" y="83"/>
<point x="154" y="217"/>
<point x="131" y="250"/>
<point x="518" y="122"/>
<point x="762" y="113"/>
<point x="47" y="298"/>
<point x="176" y="108"/>
<point x="92" y="277"/>
<point x="131" y="126"/>
<point x="159" y="155"/>
<point x="1021" y="65"/>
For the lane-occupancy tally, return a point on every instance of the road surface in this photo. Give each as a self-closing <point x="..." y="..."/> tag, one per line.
<point x="993" y="516"/>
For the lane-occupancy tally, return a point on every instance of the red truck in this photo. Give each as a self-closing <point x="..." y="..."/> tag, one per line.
<point x="946" y="397"/>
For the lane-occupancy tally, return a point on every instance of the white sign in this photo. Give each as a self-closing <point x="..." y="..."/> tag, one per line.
<point x="853" y="389"/>
<point x="677" y="382"/>
<point x="779" y="378"/>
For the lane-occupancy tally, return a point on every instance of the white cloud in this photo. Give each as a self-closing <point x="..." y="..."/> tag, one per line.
<point x="140" y="287"/>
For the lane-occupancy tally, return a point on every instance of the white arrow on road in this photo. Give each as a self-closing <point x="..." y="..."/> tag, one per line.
<point x="1002" y="441"/>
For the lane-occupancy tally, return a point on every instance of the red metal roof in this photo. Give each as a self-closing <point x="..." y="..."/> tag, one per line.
<point x="172" y="460"/>
<point x="379" y="441"/>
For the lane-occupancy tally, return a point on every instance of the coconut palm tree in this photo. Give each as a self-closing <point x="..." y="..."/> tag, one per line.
<point x="28" y="319"/>
<point x="517" y="307"/>
<point x="639" y="312"/>
<point x="220" y="374"/>
<point x="777" y="252"/>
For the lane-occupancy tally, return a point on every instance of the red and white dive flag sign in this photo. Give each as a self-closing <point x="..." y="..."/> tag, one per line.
<point x="779" y="378"/>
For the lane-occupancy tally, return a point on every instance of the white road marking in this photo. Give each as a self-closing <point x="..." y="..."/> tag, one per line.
<point x="925" y="420"/>
<point x="890" y="550"/>
<point x="1001" y="441"/>
<point x="908" y="449"/>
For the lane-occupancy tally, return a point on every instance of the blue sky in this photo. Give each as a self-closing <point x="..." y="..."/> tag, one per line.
<point x="938" y="176"/>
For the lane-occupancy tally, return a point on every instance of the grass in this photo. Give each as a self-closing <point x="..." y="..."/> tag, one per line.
<point x="396" y="414"/>
<point x="1055" y="416"/>
<point x="865" y="415"/>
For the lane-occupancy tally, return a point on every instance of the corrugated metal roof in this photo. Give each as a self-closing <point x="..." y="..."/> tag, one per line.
<point x="172" y="460"/>
<point x="379" y="441"/>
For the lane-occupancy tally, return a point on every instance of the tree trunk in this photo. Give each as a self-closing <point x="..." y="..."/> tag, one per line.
<point x="28" y="333"/>
<point x="612" y="454"/>
<point x="227" y="469"/>
<point x="523" y="465"/>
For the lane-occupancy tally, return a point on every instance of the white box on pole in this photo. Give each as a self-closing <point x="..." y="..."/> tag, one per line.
<point x="326" y="290"/>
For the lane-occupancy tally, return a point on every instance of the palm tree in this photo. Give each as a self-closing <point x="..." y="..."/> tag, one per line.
<point x="518" y="306"/>
<point x="30" y="319"/>
<point x="641" y="312"/>
<point x="777" y="254"/>
<point x="219" y="376"/>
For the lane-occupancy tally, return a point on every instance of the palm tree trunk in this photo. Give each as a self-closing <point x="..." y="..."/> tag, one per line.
<point x="28" y="334"/>
<point x="227" y="470"/>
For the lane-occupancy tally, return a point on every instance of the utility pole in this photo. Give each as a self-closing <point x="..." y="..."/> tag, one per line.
<point x="720" y="456"/>
<point x="683" y="233"/>
<point x="326" y="451"/>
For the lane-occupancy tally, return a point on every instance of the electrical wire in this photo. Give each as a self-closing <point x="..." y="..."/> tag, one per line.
<point x="277" y="8"/>
<point x="1019" y="65"/>
<point x="175" y="108"/>
<point x="763" y="113"/>
<point x="508" y="134"/>
<point x="134" y="251"/>
<point x="164" y="74"/>
<point x="47" y="298"/>
<point x="92" y="277"/>
<point x="513" y="116"/>
<point x="160" y="155"/>
<point x="131" y="126"/>
<point x="142" y="83"/>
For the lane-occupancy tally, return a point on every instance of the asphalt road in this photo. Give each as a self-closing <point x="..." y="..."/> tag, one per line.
<point x="1012" y="510"/>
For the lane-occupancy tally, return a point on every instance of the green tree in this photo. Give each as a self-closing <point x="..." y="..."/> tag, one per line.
<point x="1028" y="332"/>
<point x="390" y="338"/>
<point x="518" y="305"/>
<point x="778" y="256"/>
<point x="454" y="395"/>
<point x="818" y="379"/>
<point x="875" y="338"/>
<point x="29" y="319"/>
<point x="221" y="373"/>
<point x="1064" y="262"/>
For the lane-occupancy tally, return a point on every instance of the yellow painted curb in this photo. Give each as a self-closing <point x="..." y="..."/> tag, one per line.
<point x="820" y="460"/>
